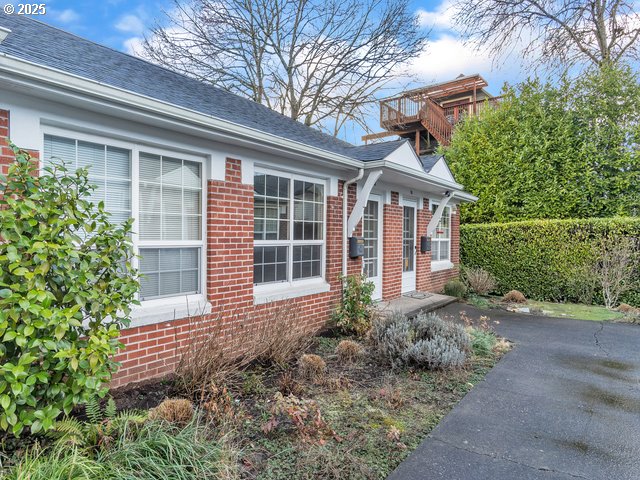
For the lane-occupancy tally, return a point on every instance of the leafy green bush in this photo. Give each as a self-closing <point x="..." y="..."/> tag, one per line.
<point x="424" y="341"/>
<point x="455" y="288"/>
<point x="552" y="260"/>
<point x="482" y="341"/>
<point x="66" y="286"/>
<point x="355" y="313"/>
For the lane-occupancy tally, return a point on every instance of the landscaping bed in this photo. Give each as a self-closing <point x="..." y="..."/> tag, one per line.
<point x="353" y="418"/>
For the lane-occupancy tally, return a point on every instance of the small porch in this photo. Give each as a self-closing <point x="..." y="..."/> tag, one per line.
<point x="410" y="304"/>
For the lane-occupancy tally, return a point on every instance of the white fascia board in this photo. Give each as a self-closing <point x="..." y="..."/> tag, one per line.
<point x="81" y="87"/>
<point x="412" y="175"/>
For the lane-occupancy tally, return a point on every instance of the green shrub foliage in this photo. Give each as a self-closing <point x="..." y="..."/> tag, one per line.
<point x="66" y="286"/>
<point x="567" y="149"/>
<point x="424" y="341"/>
<point x="455" y="288"/>
<point x="354" y="314"/>
<point x="552" y="260"/>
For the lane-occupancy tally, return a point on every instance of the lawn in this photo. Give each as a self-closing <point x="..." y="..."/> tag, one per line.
<point x="576" y="311"/>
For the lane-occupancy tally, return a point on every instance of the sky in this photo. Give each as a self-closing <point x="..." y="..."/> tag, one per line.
<point x="121" y="24"/>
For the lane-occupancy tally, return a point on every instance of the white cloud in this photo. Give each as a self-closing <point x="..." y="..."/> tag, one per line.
<point x="133" y="46"/>
<point x="447" y="57"/>
<point x="130" y="24"/>
<point x="439" y="19"/>
<point x="65" y="16"/>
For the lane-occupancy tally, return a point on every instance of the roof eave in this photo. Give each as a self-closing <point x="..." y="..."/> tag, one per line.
<point x="36" y="74"/>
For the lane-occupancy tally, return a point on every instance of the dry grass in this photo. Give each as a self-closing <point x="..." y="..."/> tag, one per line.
<point x="479" y="280"/>
<point x="312" y="367"/>
<point x="178" y="411"/>
<point x="514" y="296"/>
<point x="349" y="351"/>
<point x="218" y="349"/>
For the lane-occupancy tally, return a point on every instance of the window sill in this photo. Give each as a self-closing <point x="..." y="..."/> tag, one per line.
<point x="168" y="309"/>
<point x="273" y="293"/>
<point x="441" y="265"/>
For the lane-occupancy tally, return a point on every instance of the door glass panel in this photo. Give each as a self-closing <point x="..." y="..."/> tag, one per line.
<point x="408" y="239"/>
<point x="370" y="234"/>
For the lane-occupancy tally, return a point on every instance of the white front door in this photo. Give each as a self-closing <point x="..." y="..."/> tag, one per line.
<point x="409" y="208"/>
<point x="372" y="233"/>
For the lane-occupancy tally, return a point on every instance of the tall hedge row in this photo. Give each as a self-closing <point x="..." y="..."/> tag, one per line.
<point x="545" y="259"/>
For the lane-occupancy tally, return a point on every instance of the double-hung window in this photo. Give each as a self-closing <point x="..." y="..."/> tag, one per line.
<point x="168" y="208"/>
<point x="441" y="238"/>
<point x="289" y="228"/>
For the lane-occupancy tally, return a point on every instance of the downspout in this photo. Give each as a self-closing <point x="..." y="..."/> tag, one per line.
<point x="345" y="189"/>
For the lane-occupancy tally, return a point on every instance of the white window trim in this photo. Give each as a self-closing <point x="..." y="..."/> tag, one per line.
<point x="166" y="308"/>
<point x="274" y="291"/>
<point x="439" y="265"/>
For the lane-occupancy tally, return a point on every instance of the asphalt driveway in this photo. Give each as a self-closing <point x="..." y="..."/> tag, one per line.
<point x="563" y="404"/>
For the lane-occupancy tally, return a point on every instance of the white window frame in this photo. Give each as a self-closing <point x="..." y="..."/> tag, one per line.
<point x="165" y="308"/>
<point x="437" y="265"/>
<point x="269" y="292"/>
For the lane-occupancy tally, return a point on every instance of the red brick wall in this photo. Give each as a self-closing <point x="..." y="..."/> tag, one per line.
<point x="155" y="350"/>
<point x="392" y="248"/>
<point x="423" y="260"/>
<point x="6" y="155"/>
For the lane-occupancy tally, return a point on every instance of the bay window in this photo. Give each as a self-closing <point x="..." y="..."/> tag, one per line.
<point x="441" y="239"/>
<point x="289" y="228"/>
<point x="168" y="191"/>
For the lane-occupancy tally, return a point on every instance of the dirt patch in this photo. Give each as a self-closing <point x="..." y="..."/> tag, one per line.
<point x="143" y="395"/>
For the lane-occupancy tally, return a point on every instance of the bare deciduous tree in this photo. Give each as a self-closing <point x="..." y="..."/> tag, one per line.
<point x="317" y="61"/>
<point x="615" y="268"/>
<point x="557" y="33"/>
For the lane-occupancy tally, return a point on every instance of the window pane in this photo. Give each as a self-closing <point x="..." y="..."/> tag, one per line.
<point x="308" y="211"/>
<point x="271" y="211"/>
<point x="109" y="170"/>
<point x="169" y="272"/>
<point x="172" y="189"/>
<point x="269" y="264"/>
<point x="306" y="261"/>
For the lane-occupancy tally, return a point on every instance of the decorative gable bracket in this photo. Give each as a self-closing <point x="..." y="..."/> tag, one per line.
<point x="361" y="202"/>
<point x="435" y="220"/>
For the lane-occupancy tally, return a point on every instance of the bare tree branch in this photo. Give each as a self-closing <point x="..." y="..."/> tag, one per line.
<point x="553" y="33"/>
<point x="317" y="61"/>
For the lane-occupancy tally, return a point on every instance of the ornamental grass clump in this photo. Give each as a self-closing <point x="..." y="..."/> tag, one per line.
<point x="425" y="341"/>
<point x="66" y="290"/>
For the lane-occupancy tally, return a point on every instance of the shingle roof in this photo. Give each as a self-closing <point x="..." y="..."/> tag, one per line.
<point x="45" y="45"/>
<point x="429" y="161"/>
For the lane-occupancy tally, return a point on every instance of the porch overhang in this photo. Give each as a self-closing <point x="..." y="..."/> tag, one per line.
<point x="421" y="182"/>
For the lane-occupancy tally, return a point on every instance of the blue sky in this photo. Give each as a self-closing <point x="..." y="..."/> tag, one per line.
<point x="121" y="24"/>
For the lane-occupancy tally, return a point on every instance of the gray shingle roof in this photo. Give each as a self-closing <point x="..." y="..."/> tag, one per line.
<point x="45" y="45"/>
<point x="429" y="161"/>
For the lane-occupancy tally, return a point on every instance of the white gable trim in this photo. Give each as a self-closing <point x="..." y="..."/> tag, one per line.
<point x="406" y="156"/>
<point x="441" y="170"/>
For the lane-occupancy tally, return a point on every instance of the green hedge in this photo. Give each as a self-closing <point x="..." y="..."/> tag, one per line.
<point x="544" y="259"/>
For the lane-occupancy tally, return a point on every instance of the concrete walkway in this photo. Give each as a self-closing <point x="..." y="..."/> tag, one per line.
<point x="412" y="303"/>
<point x="564" y="404"/>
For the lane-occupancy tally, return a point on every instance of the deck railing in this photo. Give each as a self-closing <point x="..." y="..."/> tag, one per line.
<point x="403" y="110"/>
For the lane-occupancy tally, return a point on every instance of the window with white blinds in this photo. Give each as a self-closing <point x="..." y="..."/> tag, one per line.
<point x="109" y="170"/>
<point x="169" y="238"/>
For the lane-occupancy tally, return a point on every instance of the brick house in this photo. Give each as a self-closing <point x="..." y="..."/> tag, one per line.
<point x="235" y="206"/>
